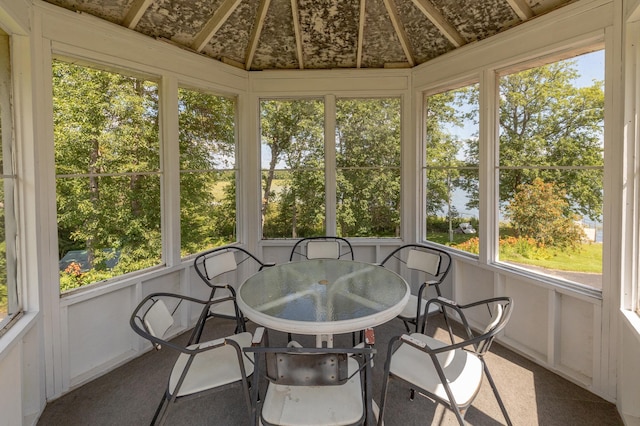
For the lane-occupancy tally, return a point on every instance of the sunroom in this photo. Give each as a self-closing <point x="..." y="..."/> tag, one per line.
<point x="450" y="149"/>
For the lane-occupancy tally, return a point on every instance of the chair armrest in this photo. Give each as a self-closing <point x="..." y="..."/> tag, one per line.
<point x="258" y="336"/>
<point x="424" y="347"/>
<point x="414" y="342"/>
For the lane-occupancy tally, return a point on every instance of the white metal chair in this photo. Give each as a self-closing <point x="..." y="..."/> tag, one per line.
<point x="448" y="373"/>
<point x="322" y="248"/>
<point x="435" y="265"/>
<point x="313" y="386"/>
<point x="211" y="265"/>
<point x="200" y="367"/>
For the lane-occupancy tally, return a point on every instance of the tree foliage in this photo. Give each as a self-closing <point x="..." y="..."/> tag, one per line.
<point x="541" y="211"/>
<point x="107" y="161"/>
<point x="293" y="134"/>
<point x="109" y="174"/>
<point x="367" y="159"/>
<point x="368" y="162"/>
<point x="207" y="170"/>
<point x="547" y="123"/>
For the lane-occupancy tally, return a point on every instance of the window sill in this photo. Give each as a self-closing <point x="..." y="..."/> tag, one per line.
<point x="16" y="332"/>
<point x="633" y="321"/>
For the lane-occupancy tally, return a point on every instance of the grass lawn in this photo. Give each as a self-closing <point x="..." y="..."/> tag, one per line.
<point x="587" y="259"/>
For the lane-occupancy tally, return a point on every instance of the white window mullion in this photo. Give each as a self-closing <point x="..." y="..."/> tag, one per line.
<point x="330" y="163"/>
<point x="488" y="156"/>
<point x="170" y="161"/>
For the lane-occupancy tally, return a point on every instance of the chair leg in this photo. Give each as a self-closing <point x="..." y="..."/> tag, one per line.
<point x="383" y="399"/>
<point x="406" y="325"/>
<point x="161" y="411"/>
<point x="459" y="414"/>
<point x="497" y="395"/>
<point x="385" y="378"/>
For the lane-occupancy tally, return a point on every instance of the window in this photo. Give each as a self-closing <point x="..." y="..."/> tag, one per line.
<point x="368" y="137"/>
<point x="10" y="304"/>
<point x="107" y="159"/>
<point x="550" y="168"/>
<point x="451" y="168"/>
<point x="365" y="166"/>
<point x="292" y="141"/>
<point x="207" y="171"/>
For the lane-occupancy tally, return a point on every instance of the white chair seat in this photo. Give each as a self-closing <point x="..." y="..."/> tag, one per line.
<point x="462" y="369"/>
<point x="212" y="368"/>
<point x="315" y="405"/>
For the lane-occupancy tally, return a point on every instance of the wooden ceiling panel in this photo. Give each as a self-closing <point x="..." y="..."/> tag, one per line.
<point x="381" y="44"/>
<point x="329" y="31"/>
<point x="317" y="34"/>
<point x="231" y="40"/>
<point x="276" y="47"/>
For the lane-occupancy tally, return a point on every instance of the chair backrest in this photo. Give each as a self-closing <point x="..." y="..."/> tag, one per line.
<point x="322" y="248"/>
<point x="158" y="319"/>
<point x="500" y="314"/>
<point x="430" y="260"/>
<point x="306" y="369"/>
<point x="424" y="261"/>
<point x="219" y="263"/>
<point x="213" y="263"/>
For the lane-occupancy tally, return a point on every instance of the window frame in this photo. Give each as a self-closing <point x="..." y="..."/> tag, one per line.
<point x="236" y="161"/>
<point x="330" y="102"/>
<point x="452" y="86"/>
<point x="10" y="183"/>
<point x="160" y="172"/>
<point x="496" y="168"/>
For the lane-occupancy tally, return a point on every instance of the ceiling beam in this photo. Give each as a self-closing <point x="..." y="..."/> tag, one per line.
<point x="219" y="17"/>
<point x="402" y="35"/>
<point x="521" y="8"/>
<point x="432" y="14"/>
<point x="255" y="32"/>
<point x="296" y="28"/>
<point x="135" y="13"/>
<point x="363" y="4"/>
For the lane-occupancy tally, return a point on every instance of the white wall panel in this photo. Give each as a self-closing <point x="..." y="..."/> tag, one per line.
<point x="169" y="283"/>
<point x="529" y="322"/>
<point x="322" y="82"/>
<point x="98" y="331"/>
<point x="11" y="387"/>
<point x="575" y="326"/>
<point x="471" y="283"/>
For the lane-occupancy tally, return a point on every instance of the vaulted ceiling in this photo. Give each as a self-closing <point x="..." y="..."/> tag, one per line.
<point x="317" y="34"/>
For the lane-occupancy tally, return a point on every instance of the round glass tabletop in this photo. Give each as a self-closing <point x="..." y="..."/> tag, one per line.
<point x="323" y="296"/>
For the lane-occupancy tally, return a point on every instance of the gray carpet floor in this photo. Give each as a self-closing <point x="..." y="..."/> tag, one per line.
<point x="532" y="395"/>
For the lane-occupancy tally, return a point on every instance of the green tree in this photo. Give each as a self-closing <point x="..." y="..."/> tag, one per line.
<point x="541" y="211"/>
<point x="293" y="131"/>
<point x="442" y="148"/>
<point x="107" y="165"/>
<point x="368" y="160"/>
<point x="207" y="164"/>
<point x="549" y="127"/>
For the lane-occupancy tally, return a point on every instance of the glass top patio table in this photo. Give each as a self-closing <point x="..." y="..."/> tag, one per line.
<point x="323" y="296"/>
